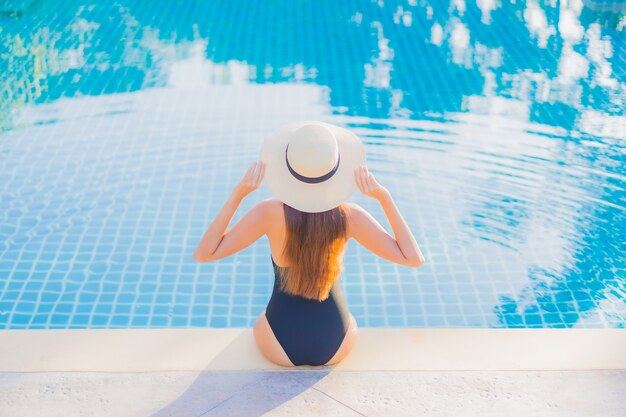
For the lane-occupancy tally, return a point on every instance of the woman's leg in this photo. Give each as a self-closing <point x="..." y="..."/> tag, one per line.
<point x="347" y="344"/>
<point x="267" y="342"/>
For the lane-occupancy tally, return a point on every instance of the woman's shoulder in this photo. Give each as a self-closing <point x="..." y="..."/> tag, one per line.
<point x="275" y="205"/>
<point x="275" y="208"/>
<point x="352" y="209"/>
<point x="348" y="206"/>
<point x="358" y="218"/>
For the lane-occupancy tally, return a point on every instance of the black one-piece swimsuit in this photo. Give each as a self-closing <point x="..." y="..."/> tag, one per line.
<point x="309" y="331"/>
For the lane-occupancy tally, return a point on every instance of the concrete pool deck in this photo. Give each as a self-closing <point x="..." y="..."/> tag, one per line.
<point x="408" y="371"/>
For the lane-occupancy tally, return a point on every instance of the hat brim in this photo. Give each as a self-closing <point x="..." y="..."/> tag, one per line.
<point x="311" y="198"/>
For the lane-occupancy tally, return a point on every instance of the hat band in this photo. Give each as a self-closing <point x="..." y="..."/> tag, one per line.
<point x="311" y="180"/>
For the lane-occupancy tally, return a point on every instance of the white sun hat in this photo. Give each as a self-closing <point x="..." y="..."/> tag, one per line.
<point x="310" y="165"/>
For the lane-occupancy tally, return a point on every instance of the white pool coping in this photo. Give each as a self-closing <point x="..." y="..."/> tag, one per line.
<point x="185" y="349"/>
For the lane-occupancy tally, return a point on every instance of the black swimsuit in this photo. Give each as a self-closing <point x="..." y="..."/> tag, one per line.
<point x="309" y="331"/>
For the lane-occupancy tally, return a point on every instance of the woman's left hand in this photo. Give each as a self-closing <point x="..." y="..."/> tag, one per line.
<point x="252" y="180"/>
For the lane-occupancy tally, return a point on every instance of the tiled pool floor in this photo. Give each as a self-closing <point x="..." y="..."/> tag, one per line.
<point x="498" y="127"/>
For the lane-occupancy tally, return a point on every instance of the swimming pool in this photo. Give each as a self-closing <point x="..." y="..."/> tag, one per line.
<point x="499" y="129"/>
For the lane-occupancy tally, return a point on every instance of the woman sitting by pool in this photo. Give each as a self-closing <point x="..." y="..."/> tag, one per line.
<point x="312" y="168"/>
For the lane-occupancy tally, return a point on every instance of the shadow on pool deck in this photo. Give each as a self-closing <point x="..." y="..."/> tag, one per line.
<point x="242" y="393"/>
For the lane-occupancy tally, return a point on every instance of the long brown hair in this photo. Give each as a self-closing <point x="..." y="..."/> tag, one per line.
<point x="314" y="243"/>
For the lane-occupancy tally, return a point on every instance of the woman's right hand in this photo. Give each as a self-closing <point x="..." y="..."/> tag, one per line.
<point x="367" y="183"/>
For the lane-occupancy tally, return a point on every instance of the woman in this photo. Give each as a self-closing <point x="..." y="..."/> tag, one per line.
<point x="312" y="167"/>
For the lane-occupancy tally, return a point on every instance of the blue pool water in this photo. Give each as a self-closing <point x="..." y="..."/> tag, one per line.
<point x="498" y="127"/>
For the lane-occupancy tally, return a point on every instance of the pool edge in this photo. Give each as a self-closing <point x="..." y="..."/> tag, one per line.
<point x="401" y="349"/>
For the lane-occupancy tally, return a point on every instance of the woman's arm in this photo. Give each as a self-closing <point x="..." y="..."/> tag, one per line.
<point x="214" y="235"/>
<point x="367" y="231"/>
<point x="401" y="230"/>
